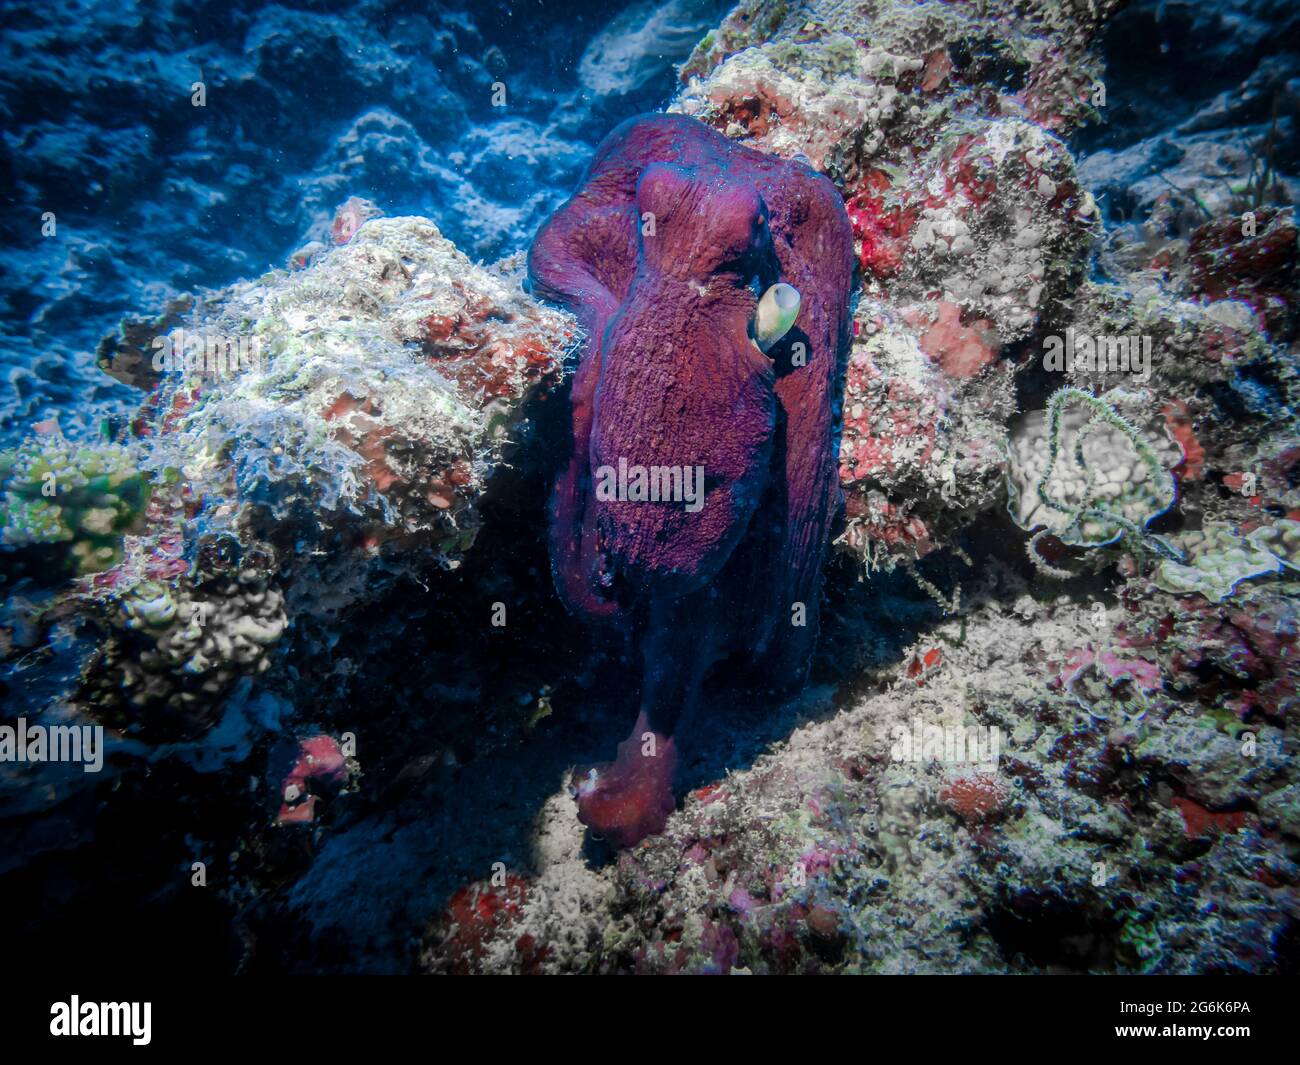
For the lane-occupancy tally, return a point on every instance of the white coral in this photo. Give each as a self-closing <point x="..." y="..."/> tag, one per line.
<point x="1091" y="476"/>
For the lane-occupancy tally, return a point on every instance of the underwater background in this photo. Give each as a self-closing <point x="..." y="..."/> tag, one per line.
<point x="311" y="603"/>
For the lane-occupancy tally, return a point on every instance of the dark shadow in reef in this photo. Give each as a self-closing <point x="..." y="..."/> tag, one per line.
<point x="389" y="866"/>
<point x="447" y="794"/>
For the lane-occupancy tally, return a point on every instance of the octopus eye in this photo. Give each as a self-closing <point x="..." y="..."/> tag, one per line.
<point x="584" y="786"/>
<point x="775" y="314"/>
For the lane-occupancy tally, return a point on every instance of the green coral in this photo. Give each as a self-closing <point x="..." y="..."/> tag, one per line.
<point x="55" y="491"/>
<point x="1140" y="942"/>
<point x="1218" y="558"/>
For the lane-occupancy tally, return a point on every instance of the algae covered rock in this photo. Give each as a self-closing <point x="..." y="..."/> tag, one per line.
<point x="373" y="388"/>
<point x="310" y="437"/>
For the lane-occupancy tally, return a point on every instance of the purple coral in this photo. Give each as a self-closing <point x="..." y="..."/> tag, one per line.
<point x="662" y="254"/>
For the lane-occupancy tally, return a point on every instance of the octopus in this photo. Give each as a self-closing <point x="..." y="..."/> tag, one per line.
<point x="695" y="503"/>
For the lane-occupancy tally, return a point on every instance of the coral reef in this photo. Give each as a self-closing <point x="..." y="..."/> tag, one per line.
<point x="1137" y="816"/>
<point x="1119" y="828"/>
<point x="312" y="449"/>
<point x="358" y="402"/>
<point x="1217" y="559"/>
<point x="175" y="648"/>
<point x="288" y="539"/>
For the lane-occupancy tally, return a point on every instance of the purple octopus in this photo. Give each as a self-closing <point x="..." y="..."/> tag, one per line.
<point x="713" y="284"/>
